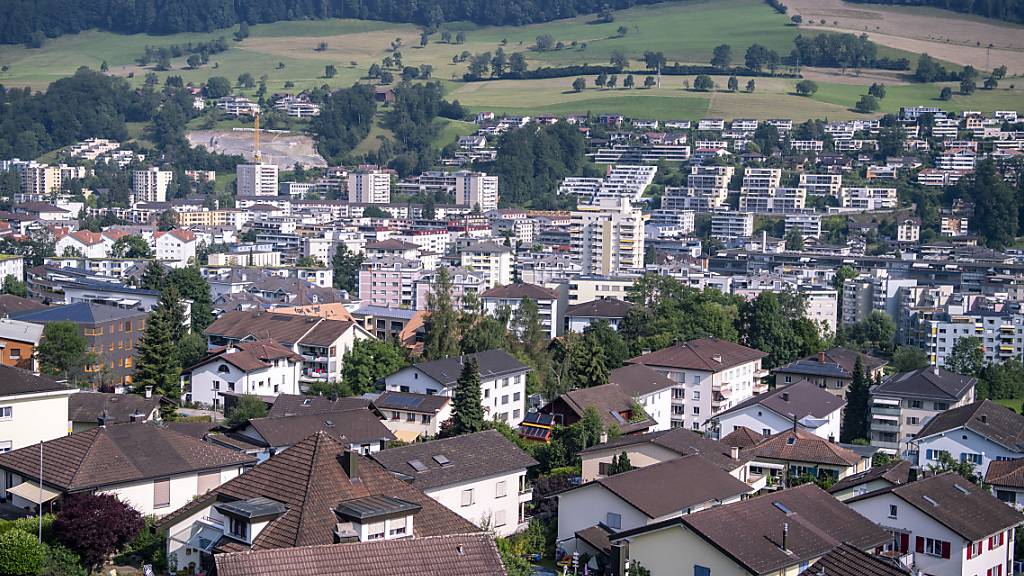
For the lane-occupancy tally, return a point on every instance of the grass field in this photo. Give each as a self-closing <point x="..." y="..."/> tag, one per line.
<point x="1013" y="403"/>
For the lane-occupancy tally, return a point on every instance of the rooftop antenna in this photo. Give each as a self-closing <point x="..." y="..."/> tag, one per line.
<point x="256" y="138"/>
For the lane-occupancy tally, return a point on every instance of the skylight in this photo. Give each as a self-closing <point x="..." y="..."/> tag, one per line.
<point x="782" y="507"/>
<point x="418" y="466"/>
<point x="442" y="460"/>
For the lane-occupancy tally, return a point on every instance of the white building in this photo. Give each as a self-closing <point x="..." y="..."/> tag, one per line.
<point x="12" y="265"/>
<point x="868" y="199"/>
<point x="821" y="184"/>
<point x="256" y="179"/>
<point x="480" y="476"/>
<point x="707" y="190"/>
<point x="476" y="189"/>
<point x="32" y="408"/>
<point x="490" y="259"/>
<point x="728" y="225"/>
<point x="262" y="368"/>
<point x="510" y="297"/>
<point x="150" y="185"/>
<point x="175" y="247"/>
<point x="908" y="231"/>
<point x="769" y="413"/>
<point x="807" y="225"/>
<point x="608" y="237"/>
<point x="368" y="185"/>
<point x="412" y="417"/>
<point x="979" y="433"/>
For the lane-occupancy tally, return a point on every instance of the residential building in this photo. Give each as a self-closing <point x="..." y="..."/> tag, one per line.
<point x="88" y="409"/>
<point x="593" y="287"/>
<point x="801" y="403"/>
<point x="610" y="310"/>
<point x="908" y="231"/>
<point x="550" y="308"/>
<point x="876" y="290"/>
<point x="150" y="185"/>
<point x="33" y="408"/>
<point x="806" y="225"/>
<point x="147" y="466"/>
<point x="795" y="455"/>
<point x="903" y="405"/>
<point x="608" y="237"/>
<point x="729" y="225"/>
<point x="502" y="382"/>
<point x="869" y="199"/>
<point x="389" y="281"/>
<point x="261" y="368"/>
<point x="847" y="559"/>
<point x="711" y="376"/>
<point x="175" y="247"/>
<point x="256" y="179"/>
<point x="476" y="189"/>
<point x="411" y="417"/>
<point x="648" y="388"/>
<point x="707" y="190"/>
<point x="1006" y="480"/>
<point x="356" y="425"/>
<point x="18" y="343"/>
<point x="490" y="259"/>
<point x="369" y="185"/>
<point x="821" y="184"/>
<point x="463" y="282"/>
<point x="882" y="477"/>
<point x="953" y="527"/>
<point x="830" y="369"/>
<point x="979" y="433"/>
<point x="616" y="407"/>
<point x="479" y="476"/>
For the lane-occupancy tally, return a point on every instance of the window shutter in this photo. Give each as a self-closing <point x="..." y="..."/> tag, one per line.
<point x="970" y="550"/>
<point x="945" y="550"/>
<point x="904" y="542"/>
<point x="161" y="492"/>
<point x="919" y="545"/>
<point x="207" y="481"/>
<point x="991" y="541"/>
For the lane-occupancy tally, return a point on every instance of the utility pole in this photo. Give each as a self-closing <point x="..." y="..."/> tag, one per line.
<point x="40" y="492"/>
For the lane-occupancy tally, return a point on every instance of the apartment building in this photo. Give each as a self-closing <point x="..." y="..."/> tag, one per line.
<point x="904" y="403"/>
<point x="491" y="260"/>
<point x="369" y="185"/>
<point x="476" y="189"/>
<point x="868" y="199"/>
<point x="874" y="291"/>
<point x="608" y="237"/>
<point x="389" y="281"/>
<point x="150" y="185"/>
<point x="773" y="200"/>
<point x="821" y="184"/>
<point x="256" y="179"/>
<point x="807" y="225"/>
<point x="1001" y="332"/>
<point x="463" y="282"/>
<point x="550" y="308"/>
<point x="729" y="225"/>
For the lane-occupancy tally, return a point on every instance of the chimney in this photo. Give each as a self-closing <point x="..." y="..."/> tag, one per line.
<point x="734" y="452"/>
<point x="604" y="437"/>
<point x="350" y="463"/>
<point x="135" y="417"/>
<point x="149" y="391"/>
<point x="101" y="420"/>
<point x="935" y="370"/>
<point x="785" y="536"/>
<point x="983" y="418"/>
<point x="785" y="396"/>
<point x="821" y="357"/>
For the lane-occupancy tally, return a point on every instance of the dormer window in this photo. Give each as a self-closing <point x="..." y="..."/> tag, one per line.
<point x="376" y="518"/>
<point x="239" y="528"/>
<point x="223" y="369"/>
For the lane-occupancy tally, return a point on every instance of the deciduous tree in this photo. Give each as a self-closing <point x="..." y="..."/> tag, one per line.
<point x="94" y="526"/>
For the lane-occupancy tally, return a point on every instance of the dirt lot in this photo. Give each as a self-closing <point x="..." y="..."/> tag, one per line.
<point x="942" y="34"/>
<point x="281" y="149"/>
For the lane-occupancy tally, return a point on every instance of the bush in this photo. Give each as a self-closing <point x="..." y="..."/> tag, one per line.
<point x="806" y="87"/>
<point x="94" y="526"/>
<point x="20" y="553"/>
<point x="30" y="526"/>
<point x="62" y="562"/>
<point x="867" y="103"/>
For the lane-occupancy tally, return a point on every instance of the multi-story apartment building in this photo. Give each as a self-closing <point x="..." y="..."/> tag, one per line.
<point x="954" y="226"/>
<point x="908" y="231"/>
<point x="476" y="189"/>
<point x="256" y="179"/>
<point x="956" y="159"/>
<point x="776" y="200"/>
<point x="491" y="260"/>
<point x="389" y="281"/>
<point x="869" y="292"/>
<point x="761" y="179"/>
<point x="463" y="283"/>
<point x="368" y="185"/>
<point x="150" y="185"/>
<point x="550" y="308"/>
<point x="869" y="198"/>
<point x="821" y="184"/>
<point x="728" y="225"/>
<point x="902" y="405"/>
<point x="608" y="237"/>
<point x="807" y="225"/>
<point x="711" y="376"/>
<point x="707" y="189"/>
<point x="1001" y="332"/>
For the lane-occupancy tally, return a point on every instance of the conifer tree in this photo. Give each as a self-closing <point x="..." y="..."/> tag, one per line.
<point x="442" y="337"/>
<point x="156" y="360"/>
<point x="856" y="413"/>
<point x="467" y="407"/>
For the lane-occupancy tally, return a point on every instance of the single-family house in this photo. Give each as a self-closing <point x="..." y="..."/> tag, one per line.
<point x="894" y="473"/>
<point x="87" y="409"/>
<point x="831" y="369"/>
<point x="803" y="403"/>
<point x="413" y="416"/>
<point x="979" y="433"/>
<point x="33" y="408"/>
<point x="611" y="310"/>
<point x="260" y="368"/>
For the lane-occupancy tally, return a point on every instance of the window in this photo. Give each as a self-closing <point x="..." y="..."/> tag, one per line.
<point x="425" y="419"/>
<point x="397" y="527"/>
<point x="892" y="511"/>
<point x="223" y="369"/>
<point x="696" y="394"/>
<point x="161" y="493"/>
<point x="972" y="458"/>
<point x="231" y="386"/>
<point x="504" y="399"/>
<point x="912" y="420"/>
<point x="467" y="497"/>
<point x="603" y="468"/>
<point x="696" y="379"/>
<point x="207" y="481"/>
<point x="516" y="413"/>
<point x="6" y="446"/>
<point x="916" y="404"/>
<point x="238" y="528"/>
<point x="15" y="353"/>
<point x="516" y="397"/>
<point x="396" y="415"/>
<point x="6" y="412"/>
<point x="766" y="431"/>
<point x="1008" y="496"/>
<point x="933" y="547"/>
<point x="499" y="518"/>
<point x="499" y="490"/>
<point x="487" y="392"/>
<point x="788" y="379"/>
<point x="375" y="531"/>
<point x="696" y="409"/>
<point x="613" y="520"/>
<point x="216" y="384"/>
<point x="410" y="417"/>
<point x="940" y="406"/>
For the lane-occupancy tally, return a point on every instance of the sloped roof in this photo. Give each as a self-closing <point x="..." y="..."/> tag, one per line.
<point x="531" y="291"/>
<point x="985" y="418"/>
<point x="492" y="364"/>
<point x="610" y="400"/>
<point x="835" y="362"/>
<point x="20" y="331"/>
<point x="118" y="408"/>
<point x="797" y="400"/>
<point x="119" y="454"/>
<point x="249" y="356"/>
<point x="16" y="381"/>
<point x="958" y="504"/>
<point x="706" y="354"/>
<point x="425" y="403"/>
<point x="354" y="426"/>
<point x="927" y="382"/>
<point x="310" y="481"/>
<point x="600" y="308"/>
<point x="895" y="473"/>
<point x="287" y="329"/>
<point x="681" y="441"/>
<point x="742" y="437"/>
<point x="466" y="458"/>
<point x="81" y="313"/>
<point x="296" y="404"/>
<point x="846" y="560"/>
<point x="1005" y="473"/>
<point x="638" y="380"/>
<point x="802" y="446"/>
<point x="11" y="305"/>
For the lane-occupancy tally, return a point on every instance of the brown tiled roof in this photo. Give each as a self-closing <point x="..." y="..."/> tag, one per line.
<point x="287" y="329"/>
<point x="295" y="405"/>
<point x="706" y="354"/>
<point x="118" y="454"/>
<point x="309" y="479"/>
<point x="15" y="381"/>
<point x="355" y="426"/>
<point x="846" y="560"/>
<point x="610" y="401"/>
<point x="597" y="536"/>
<point x="986" y="418"/>
<point x="742" y="437"/>
<point x="802" y="446"/>
<point x="531" y="291"/>
<point x="958" y="504"/>
<point x="11" y="305"/>
<point x="895" y="473"/>
<point x="250" y="356"/>
<point x="750" y="532"/>
<point x="117" y="408"/>
<point x="1005" y="473"/>
<point x="638" y="380"/>
<point x="468" y="457"/>
<point x="454" y="555"/>
<point x="660" y="489"/>
<point x="681" y="441"/>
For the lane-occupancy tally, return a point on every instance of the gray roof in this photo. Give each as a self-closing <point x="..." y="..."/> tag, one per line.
<point x="798" y="400"/>
<point x="835" y="363"/>
<point x="705" y="354"/>
<point x="929" y="382"/>
<point x="456" y="460"/>
<point x="81" y="313"/>
<point x="600" y="308"/>
<point x="986" y="418"/>
<point x="369" y="507"/>
<point x="426" y="403"/>
<point x="638" y="380"/>
<point x="20" y="331"/>
<point x="492" y="364"/>
<point x="681" y="441"/>
<point x="354" y="426"/>
<point x="16" y="381"/>
<point x="117" y="408"/>
<point x="895" y="472"/>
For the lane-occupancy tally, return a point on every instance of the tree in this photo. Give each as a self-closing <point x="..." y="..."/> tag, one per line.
<point x="192" y="286"/>
<point x="586" y="363"/>
<point x="131" y="246"/>
<point x="968" y="86"/>
<point x="544" y="42"/>
<point x="601" y="79"/>
<point x="63" y="351"/>
<point x="776" y="324"/>
<point x="243" y="31"/>
<point x="796" y="19"/>
<point x="909" y="358"/>
<point x="168" y="220"/>
<point x="217" y="87"/>
<point x="867" y="103"/>
<point x="806" y="87"/>
<point x="794" y="240"/>
<point x="722" y="56"/>
<point x="629" y="81"/>
<point x="856" y="415"/>
<point x="877" y="90"/>
<point x="703" y="83"/>
<point x="156" y="359"/>
<point x="758" y="57"/>
<point x="194" y="61"/>
<point x="621" y="31"/>
<point x="733" y="84"/>
<point x="94" y="526"/>
<point x="424" y="38"/>
<point x="14" y="286"/>
<point x="750" y="86"/>
<point x="467" y="407"/>
<point x="21" y="554"/>
<point x="946" y="94"/>
<point x="996" y="204"/>
<point x="368" y="362"/>
<point x="620" y="464"/>
<point x="104" y="67"/>
<point x="649" y="81"/>
<point x="991" y="83"/>
<point x="612" y="344"/>
<point x="618" y="59"/>
<point x="876" y="331"/>
<point x="330" y="71"/>
<point x="441" y="325"/>
<point x="946" y="463"/>
<point x="171" y="305"/>
<point x="929" y="70"/>
<point x="460" y="37"/>
<point x="249" y="406"/>
<point x="579" y="84"/>
<point x="246" y="80"/>
<point x="967" y="357"/>
<point x="654" y="60"/>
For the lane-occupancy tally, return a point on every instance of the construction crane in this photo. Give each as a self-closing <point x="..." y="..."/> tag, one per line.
<point x="256" y="138"/>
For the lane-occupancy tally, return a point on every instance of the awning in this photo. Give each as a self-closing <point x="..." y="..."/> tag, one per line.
<point x="885" y="418"/>
<point x="408" y="436"/>
<point x="205" y="539"/>
<point x="30" y="491"/>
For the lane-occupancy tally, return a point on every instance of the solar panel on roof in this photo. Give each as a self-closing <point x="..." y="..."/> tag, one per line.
<point x="417" y="465"/>
<point x="404" y="401"/>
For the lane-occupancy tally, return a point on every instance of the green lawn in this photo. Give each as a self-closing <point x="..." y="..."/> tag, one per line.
<point x="452" y="130"/>
<point x="1013" y="404"/>
<point x="1002" y="98"/>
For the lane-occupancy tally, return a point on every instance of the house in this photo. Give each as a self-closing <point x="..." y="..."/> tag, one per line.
<point x="412" y="416"/>
<point x="491" y="260"/>
<point x="359" y="428"/>
<point x="502" y="382"/>
<point x="847" y="559"/>
<point x="321" y="342"/>
<point x="882" y="477"/>
<point x="1006" y="479"/>
<point x="711" y="375"/>
<point x="11" y="305"/>
<point x="261" y="368"/>
<point x="616" y="407"/>
<point x="831" y="369"/>
<point x="175" y="247"/>
<point x="456" y="555"/>
<point x="649" y="388"/>
<point x="342" y="497"/>
<point x="802" y="403"/>
<point x="642" y="497"/>
<point x="479" y="476"/>
<point x="549" y="308"/>
<point x="87" y="410"/>
<point x="145" y="465"/>
<point x="980" y="433"/>
<point x="610" y="310"/>
<point x="903" y="404"/>
<point x="953" y="527"/>
<point x="297" y="405"/>
<point x="777" y="534"/>
<point x="33" y="408"/>
<point x="793" y="455"/>
<point x="18" y="342"/>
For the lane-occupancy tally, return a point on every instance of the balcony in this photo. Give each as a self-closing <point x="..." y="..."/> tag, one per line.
<point x="883" y="410"/>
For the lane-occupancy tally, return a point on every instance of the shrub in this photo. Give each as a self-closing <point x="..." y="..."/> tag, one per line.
<point x="94" y="526"/>
<point x="20" y="553"/>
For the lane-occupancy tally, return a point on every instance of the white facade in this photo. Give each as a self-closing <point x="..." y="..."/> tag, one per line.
<point x="503" y="398"/>
<point x="493" y="264"/>
<point x="209" y="380"/>
<point x="730" y="225"/>
<point x="807" y="225"/>
<point x="608" y="237"/>
<point x="369" y="187"/>
<point x="27" y="419"/>
<point x="869" y="198"/>
<point x="476" y="189"/>
<point x="548" y="309"/>
<point x="768" y="422"/>
<point x="693" y="397"/>
<point x="496" y="502"/>
<point x="175" y="247"/>
<point x="963" y="445"/>
<point x="256" y="179"/>
<point x="150" y="185"/>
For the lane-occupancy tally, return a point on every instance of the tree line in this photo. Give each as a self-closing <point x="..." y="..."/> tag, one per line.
<point x="1009" y="10"/>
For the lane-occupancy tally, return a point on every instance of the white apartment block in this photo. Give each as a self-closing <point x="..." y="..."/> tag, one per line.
<point x="869" y="198"/>
<point x="623" y="181"/>
<point x="150" y="185"/>
<point x="707" y="189"/>
<point x="608" y="237"/>
<point x="256" y="179"/>
<point x="491" y="260"/>
<point x="807" y="145"/>
<point x="728" y="225"/>
<point x="369" y="186"/>
<point x="869" y="292"/>
<point x="808" y="225"/>
<point x="773" y="200"/>
<point x="476" y="189"/>
<point x="908" y="230"/>
<point x="761" y="178"/>
<point x="1001" y="335"/>
<point x="954" y="226"/>
<point x="822" y="184"/>
<point x="957" y="159"/>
